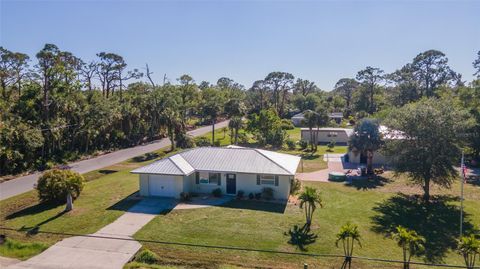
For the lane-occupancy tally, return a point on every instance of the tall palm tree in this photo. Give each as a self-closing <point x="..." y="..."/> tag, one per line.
<point x="310" y="119"/>
<point x="309" y="200"/>
<point x="366" y="139"/>
<point x="410" y="242"/>
<point x="235" y="125"/>
<point x="348" y="235"/>
<point x="469" y="248"/>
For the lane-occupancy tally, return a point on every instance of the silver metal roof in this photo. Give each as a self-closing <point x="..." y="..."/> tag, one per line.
<point x="227" y="159"/>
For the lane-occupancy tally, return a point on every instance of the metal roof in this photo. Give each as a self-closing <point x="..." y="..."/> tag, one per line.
<point x="227" y="159"/>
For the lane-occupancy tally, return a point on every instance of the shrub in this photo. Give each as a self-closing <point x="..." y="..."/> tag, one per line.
<point x="303" y="144"/>
<point x="251" y="196"/>
<point x="217" y="192"/>
<point x="287" y="124"/>
<point x="185" y="196"/>
<point x="146" y="256"/>
<point x="217" y="143"/>
<point x="267" y="193"/>
<point x="291" y="144"/>
<point x="242" y="138"/>
<point x="203" y="141"/>
<point x="54" y="185"/>
<point x="258" y="195"/>
<point x="240" y="194"/>
<point x="331" y="145"/>
<point x="185" y="141"/>
<point x="295" y="186"/>
<point x="148" y="156"/>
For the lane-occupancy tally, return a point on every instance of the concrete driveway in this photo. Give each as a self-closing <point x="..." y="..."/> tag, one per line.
<point x="26" y="183"/>
<point x="109" y="248"/>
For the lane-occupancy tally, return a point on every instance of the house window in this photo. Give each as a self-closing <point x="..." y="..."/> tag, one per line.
<point x="332" y="134"/>
<point x="267" y="180"/>
<point x="210" y="178"/>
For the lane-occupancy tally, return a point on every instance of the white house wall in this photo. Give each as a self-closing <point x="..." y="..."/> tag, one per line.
<point x="143" y="182"/>
<point x="378" y="158"/>
<point x="341" y="138"/>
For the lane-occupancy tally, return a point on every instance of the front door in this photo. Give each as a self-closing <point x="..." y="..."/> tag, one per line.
<point x="231" y="184"/>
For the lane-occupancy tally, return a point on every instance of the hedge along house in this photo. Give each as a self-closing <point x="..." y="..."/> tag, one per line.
<point x="232" y="169"/>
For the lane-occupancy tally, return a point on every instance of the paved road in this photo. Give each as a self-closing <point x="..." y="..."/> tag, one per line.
<point x="25" y="183"/>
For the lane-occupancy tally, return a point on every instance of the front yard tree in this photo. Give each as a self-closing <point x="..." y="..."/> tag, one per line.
<point x="235" y="124"/>
<point x="267" y="127"/>
<point x="315" y="119"/>
<point x="410" y="242"/>
<point x="348" y="235"/>
<point x="60" y="186"/>
<point x="366" y="139"/>
<point x="309" y="200"/>
<point x="429" y="149"/>
<point x="469" y="248"/>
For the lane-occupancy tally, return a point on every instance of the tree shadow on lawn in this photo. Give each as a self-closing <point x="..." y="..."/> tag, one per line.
<point x="437" y="221"/>
<point x="272" y="207"/>
<point x="301" y="237"/>
<point x="33" y="210"/>
<point x="363" y="183"/>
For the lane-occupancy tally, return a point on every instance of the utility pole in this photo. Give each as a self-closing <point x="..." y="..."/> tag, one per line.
<point x="462" y="167"/>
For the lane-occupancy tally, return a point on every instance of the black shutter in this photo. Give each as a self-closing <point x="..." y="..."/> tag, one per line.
<point x="197" y="178"/>
<point x="219" y="176"/>
<point x="258" y="179"/>
<point x="276" y="180"/>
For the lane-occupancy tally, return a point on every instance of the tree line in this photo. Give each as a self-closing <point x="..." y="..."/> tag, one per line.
<point x="56" y="107"/>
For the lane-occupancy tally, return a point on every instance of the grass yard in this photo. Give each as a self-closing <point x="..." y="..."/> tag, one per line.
<point x="311" y="161"/>
<point x="102" y="201"/>
<point x="375" y="207"/>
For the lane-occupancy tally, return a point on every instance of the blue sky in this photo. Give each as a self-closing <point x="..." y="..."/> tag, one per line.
<point x="245" y="40"/>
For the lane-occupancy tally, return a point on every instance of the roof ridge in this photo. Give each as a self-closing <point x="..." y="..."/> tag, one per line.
<point x="258" y="150"/>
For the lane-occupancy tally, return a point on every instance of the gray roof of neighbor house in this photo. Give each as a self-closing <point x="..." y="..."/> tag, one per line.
<point x="226" y="159"/>
<point x="348" y="131"/>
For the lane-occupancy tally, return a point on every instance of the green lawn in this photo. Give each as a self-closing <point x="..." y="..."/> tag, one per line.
<point x="104" y="199"/>
<point x="375" y="207"/>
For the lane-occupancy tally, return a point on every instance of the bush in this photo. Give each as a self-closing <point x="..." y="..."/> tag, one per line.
<point x="54" y="185"/>
<point x="217" y="143"/>
<point x="267" y="193"/>
<point x="185" y="196"/>
<point x="148" y="156"/>
<point x="146" y="256"/>
<point x="217" y="192"/>
<point x="240" y="194"/>
<point x="203" y="141"/>
<point x="303" y="144"/>
<point x="251" y="196"/>
<point x="295" y="186"/>
<point x="258" y="195"/>
<point x="242" y="138"/>
<point x="185" y="141"/>
<point x="287" y="124"/>
<point x="331" y="145"/>
<point x="291" y="144"/>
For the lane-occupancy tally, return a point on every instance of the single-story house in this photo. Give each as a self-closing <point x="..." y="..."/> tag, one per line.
<point x="341" y="136"/>
<point x="297" y="119"/>
<point x="336" y="116"/>
<point x="232" y="169"/>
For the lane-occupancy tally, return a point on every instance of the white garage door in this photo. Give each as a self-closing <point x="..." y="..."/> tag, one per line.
<point x="161" y="185"/>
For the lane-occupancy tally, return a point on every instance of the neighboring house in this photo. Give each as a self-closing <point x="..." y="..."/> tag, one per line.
<point x="336" y="116"/>
<point x="232" y="169"/>
<point x="297" y="119"/>
<point x="341" y="136"/>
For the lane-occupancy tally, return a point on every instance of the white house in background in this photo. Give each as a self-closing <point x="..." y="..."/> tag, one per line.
<point x="232" y="169"/>
<point x="297" y="119"/>
<point x="341" y="136"/>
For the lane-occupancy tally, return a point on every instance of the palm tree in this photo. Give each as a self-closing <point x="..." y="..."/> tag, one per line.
<point x="348" y="235"/>
<point x="310" y="119"/>
<point x="366" y="139"/>
<point x="410" y="242"/>
<point x="309" y="199"/>
<point x="469" y="248"/>
<point x="235" y="125"/>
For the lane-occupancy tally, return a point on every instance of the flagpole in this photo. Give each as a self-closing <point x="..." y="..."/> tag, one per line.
<point x="461" y="195"/>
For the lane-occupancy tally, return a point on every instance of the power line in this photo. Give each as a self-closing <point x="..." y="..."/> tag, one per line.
<point x="243" y="249"/>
